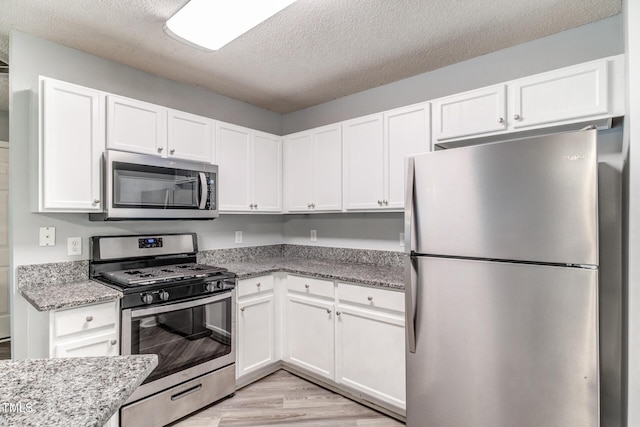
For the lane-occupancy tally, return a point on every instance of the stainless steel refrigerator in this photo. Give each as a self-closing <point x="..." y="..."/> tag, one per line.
<point x="502" y="285"/>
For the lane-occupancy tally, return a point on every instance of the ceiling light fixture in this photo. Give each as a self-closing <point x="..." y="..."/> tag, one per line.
<point x="211" y="24"/>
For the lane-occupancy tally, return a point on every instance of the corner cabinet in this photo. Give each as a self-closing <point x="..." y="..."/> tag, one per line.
<point x="250" y="168"/>
<point x="70" y="145"/>
<point x="375" y="148"/>
<point x="313" y="170"/>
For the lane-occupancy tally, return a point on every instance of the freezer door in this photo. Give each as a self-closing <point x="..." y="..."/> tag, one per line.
<point x="531" y="200"/>
<point x="503" y="345"/>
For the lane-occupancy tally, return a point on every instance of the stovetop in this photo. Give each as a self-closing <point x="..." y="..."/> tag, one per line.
<point x="161" y="274"/>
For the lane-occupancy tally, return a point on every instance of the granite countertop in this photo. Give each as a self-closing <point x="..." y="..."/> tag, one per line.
<point x="82" y="391"/>
<point x="364" y="274"/>
<point x="57" y="295"/>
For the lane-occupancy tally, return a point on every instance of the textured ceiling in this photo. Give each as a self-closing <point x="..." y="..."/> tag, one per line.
<point x="312" y="52"/>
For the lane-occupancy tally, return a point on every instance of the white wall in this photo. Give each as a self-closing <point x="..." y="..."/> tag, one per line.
<point x="380" y="231"/>
<point x="30" y="57"/>
<point x="632" y="141"/>
<point x="582" y="44"/>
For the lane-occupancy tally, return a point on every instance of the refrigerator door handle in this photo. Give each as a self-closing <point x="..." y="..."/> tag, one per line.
<point x="410" y="275"/>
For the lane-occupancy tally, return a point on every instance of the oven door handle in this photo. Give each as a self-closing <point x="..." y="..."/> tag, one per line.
<point x="177" y="306"/>
<point x="205" y="190"/>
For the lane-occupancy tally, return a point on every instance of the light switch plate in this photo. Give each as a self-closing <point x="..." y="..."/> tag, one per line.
<point x="47" y="236"/>
<point x="238" y="236"/>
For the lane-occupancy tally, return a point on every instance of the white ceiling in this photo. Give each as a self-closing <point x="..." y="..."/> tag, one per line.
<point x="312" y="52"/>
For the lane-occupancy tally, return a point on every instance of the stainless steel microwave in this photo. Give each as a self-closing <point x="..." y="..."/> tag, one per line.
<point x="142" y="187"/>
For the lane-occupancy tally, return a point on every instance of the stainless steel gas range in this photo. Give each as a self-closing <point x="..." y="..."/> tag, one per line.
<point x="175" y="308"/>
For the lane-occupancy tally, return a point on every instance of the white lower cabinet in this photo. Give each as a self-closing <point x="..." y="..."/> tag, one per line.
<point x="255" y="326"/>
<point x="310" y="334"/>
<point x="370" y="347"/>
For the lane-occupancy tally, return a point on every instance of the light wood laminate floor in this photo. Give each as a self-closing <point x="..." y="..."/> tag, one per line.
<point x="282" y="399"/>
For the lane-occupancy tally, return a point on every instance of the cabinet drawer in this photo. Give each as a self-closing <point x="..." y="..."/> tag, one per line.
<point x="84" y="318"/>
<point x="254" y="285"/>
<point x="379" y="298"/>
<point x="306" y="285"/>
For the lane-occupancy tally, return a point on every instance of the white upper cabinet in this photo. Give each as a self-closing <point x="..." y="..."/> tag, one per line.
<point x="470" y="113"/>
<point x="250" y="169"/>
<point x="267" y="172"/>
<point x="313" y="170"/>
<point x="141" y="127"/>
<point x="375" y="148"/>
<point x="407" y="131"/>
<point x="569" y="93"/>
<point x="71" y="143"/>
<point x="190" y="137"/>
<point x="136" y="126"/>
<point x="573" y="95"/>
<point x="364" y="162"/>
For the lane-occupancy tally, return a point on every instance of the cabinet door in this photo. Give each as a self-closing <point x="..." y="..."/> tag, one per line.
<point x="267" y="172"/>
<point x="190" y="137"/>
<point x="407" y="131"/>
<point x="371" y="353"/>
<point x="72" y="142"/>
<point x="233" y="155"/>
<point x="363" y="163"/>
<point x="136" y="126"/>
<point x="298" y="172"/>
<point x="256" y="334"/>
<point x="567" y="94"/>
<point x="327" y="169"/>
<point x="470" y="113"/>
<point x="91" y="345"/>
<point x="310" y="335"/>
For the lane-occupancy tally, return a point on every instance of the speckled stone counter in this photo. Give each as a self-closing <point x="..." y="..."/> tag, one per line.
<point x="364" y="274"/>
<point x="83" y="391"/>
<point x="61" y="285"/>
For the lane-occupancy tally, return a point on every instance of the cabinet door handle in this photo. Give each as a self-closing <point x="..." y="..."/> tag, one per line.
<point x="96" y="201"/>
<point x="380" y="202"/>
<point x="255" y="206"/>
<point x="172" y="151"/>
<point x="113" y="342"/>
<point x="251" y="206"/>
<point x="309" y="205"/>
<point x="241" y="308"/>
<point x="89" y="318"/>
<point x="306" y="285"/>
<point x="313" y="205"/>
<point x="328" y="311"/>
<point x="338" y="313"/>
<point x="500" y="120"/>
<point x="258" y="284"/>
<point x="160" y="149"/>
<point x="516" y="117"/>
<point x="386" y="202"/>
<point x="370" y="298"/>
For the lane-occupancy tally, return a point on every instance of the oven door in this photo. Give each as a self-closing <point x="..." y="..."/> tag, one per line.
<point x="148" y="187"/>
<point x="190" y="338"/>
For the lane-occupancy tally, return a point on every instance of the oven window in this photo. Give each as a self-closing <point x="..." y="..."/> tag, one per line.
<point x="153" y="187"/>
<point x="183" y="338"/>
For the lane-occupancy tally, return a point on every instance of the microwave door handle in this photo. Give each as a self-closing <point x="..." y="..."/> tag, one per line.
<point x="204" y="190"/>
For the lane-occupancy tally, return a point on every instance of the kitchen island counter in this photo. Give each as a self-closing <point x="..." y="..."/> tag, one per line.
<point x="82" y="391"/>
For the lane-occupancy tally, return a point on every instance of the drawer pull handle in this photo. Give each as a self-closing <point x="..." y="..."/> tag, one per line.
<point x="186" y="392"/>
<point x="328" y="311"/>
<point x="258" y="284"/>
<point x="172" y="151"/>
<point x="114" y="342"/>
<point x="338" y="313"/>
<point x="306" y="285"/>
<point x="370" y="298"/>
<point x="89" y="318"/>
<point x="241" y="308"/>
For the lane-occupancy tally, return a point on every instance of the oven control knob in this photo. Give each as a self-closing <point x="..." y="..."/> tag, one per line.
<point x="164" y="295"/>
<point x="212" y="286"/>
<point x="147" y="298"/>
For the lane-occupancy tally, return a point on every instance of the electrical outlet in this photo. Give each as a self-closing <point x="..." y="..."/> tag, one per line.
<point x="47" y="236"/>
<point x="238" y="236"/>
<point x="402" y="239"/>
<point x="74" y="245"/>
<point x="314" y="236"/>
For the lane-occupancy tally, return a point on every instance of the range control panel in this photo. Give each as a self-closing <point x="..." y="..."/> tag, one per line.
<point x="150" y="242"/>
